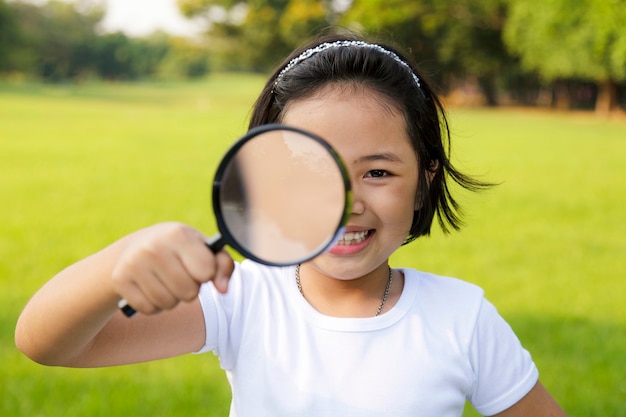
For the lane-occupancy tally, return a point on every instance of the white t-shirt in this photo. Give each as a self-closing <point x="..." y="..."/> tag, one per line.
<point x="440" y="345"/>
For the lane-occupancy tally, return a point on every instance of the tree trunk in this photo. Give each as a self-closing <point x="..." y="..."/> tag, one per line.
<point x="561" y="98"/>
<point x="489" y="90"/>
<point x="606" y="100"/>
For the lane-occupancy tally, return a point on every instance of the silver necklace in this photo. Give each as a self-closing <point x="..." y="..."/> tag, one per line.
<point x="382" y="302"/>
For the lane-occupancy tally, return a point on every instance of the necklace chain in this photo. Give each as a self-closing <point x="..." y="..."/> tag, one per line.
<point x="382" y="301"/>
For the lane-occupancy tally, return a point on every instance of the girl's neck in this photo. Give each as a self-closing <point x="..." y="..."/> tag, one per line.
<point x="376" y="292"/>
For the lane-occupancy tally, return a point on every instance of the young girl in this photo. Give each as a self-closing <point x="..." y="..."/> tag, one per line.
<point x="343" y="334"/>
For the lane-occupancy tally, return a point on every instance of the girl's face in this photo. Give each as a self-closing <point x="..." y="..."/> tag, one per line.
<point x="370" y="135"/>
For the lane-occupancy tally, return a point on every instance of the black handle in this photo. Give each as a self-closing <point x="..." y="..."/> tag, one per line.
<point x="216" y="243"/>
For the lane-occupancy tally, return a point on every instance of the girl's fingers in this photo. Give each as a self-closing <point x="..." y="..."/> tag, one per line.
<point x="136" y="298"/>
<point x="157" y="288"/>
<point x="199" y="261"/>
<point x="203" y="265"/>
<point x="225" y="268"/>
<point x="176" y="279"/>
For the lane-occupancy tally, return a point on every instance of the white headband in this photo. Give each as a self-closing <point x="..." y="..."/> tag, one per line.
<point x="342" y="44"/>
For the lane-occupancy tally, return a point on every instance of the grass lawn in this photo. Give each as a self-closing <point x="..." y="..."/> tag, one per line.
<point x="83" y="165"/>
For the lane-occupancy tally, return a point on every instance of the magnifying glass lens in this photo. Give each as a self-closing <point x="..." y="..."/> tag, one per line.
<point x="282" y="197"/>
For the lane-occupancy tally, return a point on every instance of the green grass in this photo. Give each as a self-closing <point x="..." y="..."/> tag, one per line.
<point x="83" y="165"/>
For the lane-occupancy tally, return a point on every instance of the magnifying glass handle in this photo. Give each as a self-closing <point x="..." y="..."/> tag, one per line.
<point x="215" y="243"/>
<point x="126" y="308"/>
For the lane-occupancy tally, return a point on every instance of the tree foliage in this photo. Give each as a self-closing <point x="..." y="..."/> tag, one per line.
<point x="519" y="48"/>
<point x="570" y="38"/>
<point x="564" y="39"/>
<point x="60" y="41"/>
<point x="257" y="34"/>
<point x="456" y="42"/>
<point x="54" y="41"/>
<point x="451" y="39"/>
<point x="10" y="53"/>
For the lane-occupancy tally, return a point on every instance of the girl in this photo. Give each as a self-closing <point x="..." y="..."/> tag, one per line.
<point x="342" y="335"/>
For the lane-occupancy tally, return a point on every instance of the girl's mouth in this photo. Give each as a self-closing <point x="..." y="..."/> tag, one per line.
<point x="352" y="242"/>
<point x="353" y="238"/>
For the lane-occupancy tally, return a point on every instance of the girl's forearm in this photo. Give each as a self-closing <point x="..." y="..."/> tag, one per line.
<point x="65" y="316"/>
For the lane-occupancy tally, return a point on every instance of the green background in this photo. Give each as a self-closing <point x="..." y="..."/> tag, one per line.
<point x="82" y="165"/>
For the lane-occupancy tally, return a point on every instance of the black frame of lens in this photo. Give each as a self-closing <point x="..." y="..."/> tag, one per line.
<point x="226" y="237"/>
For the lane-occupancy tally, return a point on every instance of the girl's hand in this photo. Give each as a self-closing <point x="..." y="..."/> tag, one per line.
<point x="166" y="264"/>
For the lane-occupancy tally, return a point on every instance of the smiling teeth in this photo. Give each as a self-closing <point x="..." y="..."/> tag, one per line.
<point x="352" y="238"/>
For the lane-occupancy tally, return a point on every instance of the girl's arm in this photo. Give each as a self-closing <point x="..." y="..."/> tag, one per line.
<point x="73" y="320"/>
<point x="537" y="403"/>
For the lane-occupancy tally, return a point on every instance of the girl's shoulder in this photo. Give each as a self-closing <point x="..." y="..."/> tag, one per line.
<point x="441" y="285"/>
<point x="443" y="296"/>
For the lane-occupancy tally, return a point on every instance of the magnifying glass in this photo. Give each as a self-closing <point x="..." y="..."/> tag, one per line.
<point x="281" y="196"/>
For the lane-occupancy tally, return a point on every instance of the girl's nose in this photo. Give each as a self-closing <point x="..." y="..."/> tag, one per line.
<point x="358" y="206"/>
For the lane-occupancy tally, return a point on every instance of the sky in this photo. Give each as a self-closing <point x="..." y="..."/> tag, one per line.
<point x="141" y="17"/>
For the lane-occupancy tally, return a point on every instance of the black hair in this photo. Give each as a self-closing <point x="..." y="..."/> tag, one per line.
<point x="427" y="125"/>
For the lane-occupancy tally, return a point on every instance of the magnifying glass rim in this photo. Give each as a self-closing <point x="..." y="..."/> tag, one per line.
<point x="221" y="170"/>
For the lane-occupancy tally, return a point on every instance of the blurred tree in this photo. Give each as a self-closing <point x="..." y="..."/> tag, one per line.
<point x="572" y="39"/>
<point x="184" y="59"/>
<point x="119" y="57"/>
<point x="301" y="19"/>
<point x="9" y="38"/>
<point x="256" y="34"/>
<point x="59" y="39"/>
<point x="399" y="21"/>
<point x="148" y="53"/>
<point x="454" y="40"/>
<point x="17" y="44"/>
<point x="113" y="57"/>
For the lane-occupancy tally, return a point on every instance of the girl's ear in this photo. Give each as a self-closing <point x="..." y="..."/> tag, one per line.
<point x="433" y="167"/>
<point x="431" y="171"/>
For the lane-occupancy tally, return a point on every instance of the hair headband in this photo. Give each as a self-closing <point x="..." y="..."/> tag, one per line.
<point x="344" y="44"/>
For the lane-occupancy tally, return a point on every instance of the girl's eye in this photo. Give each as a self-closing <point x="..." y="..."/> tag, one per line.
<point x="377" y="173"/>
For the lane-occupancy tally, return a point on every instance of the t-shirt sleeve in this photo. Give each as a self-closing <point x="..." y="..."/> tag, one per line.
<point x="504" y="371"/>
<point x="219" y="312"/>
<point x="211" y="317"/>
